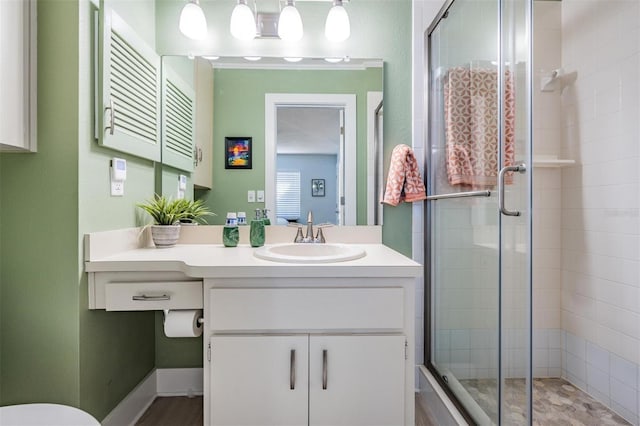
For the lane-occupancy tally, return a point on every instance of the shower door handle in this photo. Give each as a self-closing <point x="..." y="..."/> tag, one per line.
<point x="521" y="168"/>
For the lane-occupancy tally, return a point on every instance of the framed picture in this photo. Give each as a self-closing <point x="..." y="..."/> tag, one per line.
<point x="317" y="187"/>
<point x="237" y="152"/>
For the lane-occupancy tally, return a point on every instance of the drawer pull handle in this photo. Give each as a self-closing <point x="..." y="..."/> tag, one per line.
<point x="145" y="298"/>
<point x="324" y="369"/>
<point x="292" y="370"/>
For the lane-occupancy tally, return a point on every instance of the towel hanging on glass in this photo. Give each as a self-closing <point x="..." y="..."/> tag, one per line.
<point x="471" y="122"/>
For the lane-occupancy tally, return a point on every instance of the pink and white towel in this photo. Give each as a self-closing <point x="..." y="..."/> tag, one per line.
<point x="471" y="119"/>
<point x="403" y="182"/>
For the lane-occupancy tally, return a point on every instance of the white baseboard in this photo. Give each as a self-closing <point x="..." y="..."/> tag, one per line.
<point x="180" y="381"/>
<point x="129" y="410"/>
<point x="160" y="382"/>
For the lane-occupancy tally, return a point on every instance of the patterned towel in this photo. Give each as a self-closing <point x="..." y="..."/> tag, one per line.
<point x="471" y="119"/>
<point x="403" y="182"/>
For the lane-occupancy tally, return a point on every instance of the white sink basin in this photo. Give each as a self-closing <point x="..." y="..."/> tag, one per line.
<point x="309" y="253"/>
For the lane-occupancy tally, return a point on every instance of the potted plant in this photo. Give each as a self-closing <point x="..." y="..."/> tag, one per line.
<point x="195" y="212"/>
<point x="166" y="215"/>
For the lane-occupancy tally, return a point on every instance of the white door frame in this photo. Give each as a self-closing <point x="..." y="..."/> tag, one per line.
<point x="346" y="101"/>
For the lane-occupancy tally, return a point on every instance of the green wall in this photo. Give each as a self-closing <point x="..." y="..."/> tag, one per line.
<point x="239" y="111"/>
<point x="39" y="275"/>
<point x="53" y="348"/>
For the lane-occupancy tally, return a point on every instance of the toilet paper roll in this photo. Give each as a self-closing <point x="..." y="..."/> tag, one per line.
<point x="183" y="323"/>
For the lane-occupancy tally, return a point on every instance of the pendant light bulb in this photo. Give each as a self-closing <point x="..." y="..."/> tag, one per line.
<point x="290" y="23"/>
<point x="243" y="23"/>
<point x="337" y="27"/>
<point x="193" y="24"/>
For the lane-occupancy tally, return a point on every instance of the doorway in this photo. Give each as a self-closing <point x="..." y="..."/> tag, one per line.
<point x="343" y="169"/>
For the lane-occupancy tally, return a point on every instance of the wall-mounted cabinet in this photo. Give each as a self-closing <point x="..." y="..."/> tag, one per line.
<point x="18" y="71"/>
<point x="128" y="112"/>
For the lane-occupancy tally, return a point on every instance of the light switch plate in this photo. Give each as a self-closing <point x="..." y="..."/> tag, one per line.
<point x="251" y="196"/>
<point x="260" y="196"/>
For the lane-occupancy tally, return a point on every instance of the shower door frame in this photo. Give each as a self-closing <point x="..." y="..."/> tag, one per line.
<point x="428" y="214"/>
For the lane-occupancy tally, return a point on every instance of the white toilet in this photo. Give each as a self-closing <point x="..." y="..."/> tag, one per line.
<point x="45" y="415"/>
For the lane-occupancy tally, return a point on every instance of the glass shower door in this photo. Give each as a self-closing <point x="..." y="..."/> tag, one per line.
<point x="478" y="219"/>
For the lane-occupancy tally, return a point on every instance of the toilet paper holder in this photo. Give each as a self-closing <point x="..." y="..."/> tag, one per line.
<point x="166" y="312"/>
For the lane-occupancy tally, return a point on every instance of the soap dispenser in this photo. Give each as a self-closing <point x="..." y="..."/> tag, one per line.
<point x="230" y="233"/>
<point x="256" y="230"/>
<point x="265" y="217"/>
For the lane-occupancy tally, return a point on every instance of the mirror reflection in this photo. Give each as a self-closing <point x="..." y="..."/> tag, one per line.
<point x="309" y="140"/>
<point x="309" y="171"/>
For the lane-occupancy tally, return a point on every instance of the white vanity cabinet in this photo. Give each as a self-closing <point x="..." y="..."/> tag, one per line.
<point x="308" y="352"/>
<point x="307" y="379"/>
<point x="283" y="344"/>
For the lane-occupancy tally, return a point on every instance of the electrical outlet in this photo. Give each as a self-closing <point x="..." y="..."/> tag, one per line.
<point x="117" y="189"/>
<point x="260" y="196"/>
<point x="251" y="196"/>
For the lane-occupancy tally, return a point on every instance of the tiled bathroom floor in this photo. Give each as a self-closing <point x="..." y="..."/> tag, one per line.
<point x="556" y="402"/>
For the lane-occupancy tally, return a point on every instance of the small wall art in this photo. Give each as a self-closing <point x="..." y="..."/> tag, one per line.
<point x="317" y="187"/>
<point x="237" y="152"/>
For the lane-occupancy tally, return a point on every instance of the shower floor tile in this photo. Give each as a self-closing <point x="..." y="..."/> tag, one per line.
<point x="555" y="402"/>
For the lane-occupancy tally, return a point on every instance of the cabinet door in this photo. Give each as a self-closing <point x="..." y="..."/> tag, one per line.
<point x="356" y="380"/>
<point x="178" y="120"/>
<point x="128" y="113"/>
<point x="259" y="380"/>
<point x="203" y="173"/>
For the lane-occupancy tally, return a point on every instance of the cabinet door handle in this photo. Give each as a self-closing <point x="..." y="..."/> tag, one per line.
<point x="145" y="298"/>
<point x="292" y="370"/>
<point x="324" y="369"/>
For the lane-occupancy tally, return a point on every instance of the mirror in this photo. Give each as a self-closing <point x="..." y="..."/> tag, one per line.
<point x="294" y="114"/>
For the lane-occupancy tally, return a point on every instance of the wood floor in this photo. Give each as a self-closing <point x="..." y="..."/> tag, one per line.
<point x="174" y="411"/>
<point x="183" y="411"/>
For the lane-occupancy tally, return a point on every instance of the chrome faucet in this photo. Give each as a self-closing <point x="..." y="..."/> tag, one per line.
<point x="309" y="238"/>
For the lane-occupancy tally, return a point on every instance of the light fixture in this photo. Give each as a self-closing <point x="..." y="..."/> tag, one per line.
<point x="289" y="59"/>
<point x="337" y="27"/>
<point x="193" y="24"/>
<point x="290" y="23"/>
<point x="243" y="23"/>
<point x="333" y="60"/>
<point x="253" y="58"/>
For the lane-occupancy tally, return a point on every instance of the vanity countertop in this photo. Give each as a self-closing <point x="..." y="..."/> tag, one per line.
<point x="217" y="261"/>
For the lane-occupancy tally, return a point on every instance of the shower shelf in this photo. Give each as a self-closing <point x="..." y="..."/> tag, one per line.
<point x="551" y="161"/>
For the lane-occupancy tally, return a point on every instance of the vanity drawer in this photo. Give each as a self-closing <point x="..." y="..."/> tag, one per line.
<point x="149" y="296"/>
<point x="235" y="309"/>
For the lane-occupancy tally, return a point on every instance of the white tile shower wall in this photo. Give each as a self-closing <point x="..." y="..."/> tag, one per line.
<point x="609" y="378"/>
<point x="601" y="200"/>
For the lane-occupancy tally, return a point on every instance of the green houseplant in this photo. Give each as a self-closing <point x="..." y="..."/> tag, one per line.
<point x="195" y="212"/>
<point x="167" y="214"/>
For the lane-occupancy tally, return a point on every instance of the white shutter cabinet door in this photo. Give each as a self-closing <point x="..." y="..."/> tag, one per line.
<point x="251" y="380"/>
<point x="364" y="380"/>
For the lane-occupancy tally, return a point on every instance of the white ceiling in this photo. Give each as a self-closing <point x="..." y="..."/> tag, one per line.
<point x="308" y="130"/>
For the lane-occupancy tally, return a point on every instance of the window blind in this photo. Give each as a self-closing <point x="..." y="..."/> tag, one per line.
<point x="288" y="194"/>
